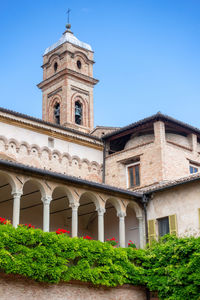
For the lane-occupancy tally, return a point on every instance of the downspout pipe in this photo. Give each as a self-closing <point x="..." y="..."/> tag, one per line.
<point x="145" y="201"/>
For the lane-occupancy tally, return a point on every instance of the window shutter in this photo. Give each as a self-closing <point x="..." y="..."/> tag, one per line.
<point x="172" y="224"/>
<point x="151" y="231"/>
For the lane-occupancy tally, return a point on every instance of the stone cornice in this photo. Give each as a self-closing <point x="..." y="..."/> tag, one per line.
<point x="61" y="55"/>
<point x="53" y="131"/>
<point x="67" y="72"/>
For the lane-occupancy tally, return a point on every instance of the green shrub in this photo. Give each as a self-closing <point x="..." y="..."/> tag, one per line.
<point x="171" y="266"/>
<point x="49" y="257"/>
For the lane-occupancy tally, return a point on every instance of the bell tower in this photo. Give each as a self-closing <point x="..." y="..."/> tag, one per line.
<point x="68" y="83"/>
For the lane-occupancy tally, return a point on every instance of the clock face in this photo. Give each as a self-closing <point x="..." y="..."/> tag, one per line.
<point x="78" y="64"/>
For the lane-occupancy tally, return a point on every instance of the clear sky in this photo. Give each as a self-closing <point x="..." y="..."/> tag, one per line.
<point x="147" y="55"/>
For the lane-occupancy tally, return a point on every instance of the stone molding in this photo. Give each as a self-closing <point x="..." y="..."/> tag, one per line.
<point x="12" y="147"/>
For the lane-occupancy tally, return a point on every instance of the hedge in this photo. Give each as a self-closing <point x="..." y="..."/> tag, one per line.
<point x="171" y="266"/>
<point x="50" y="257"/>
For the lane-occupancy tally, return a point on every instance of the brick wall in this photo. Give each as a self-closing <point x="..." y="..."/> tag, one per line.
<point x="14" y="287"/>
<point x="163" y="156"/>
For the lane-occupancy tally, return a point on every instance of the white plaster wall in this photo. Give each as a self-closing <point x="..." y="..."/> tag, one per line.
<point x="183" y="201"/>
<point x="32" y="137"/>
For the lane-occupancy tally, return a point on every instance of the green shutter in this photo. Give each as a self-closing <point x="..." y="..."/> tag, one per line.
<point x="151" y="231"/>
<point x="172" y="224"/>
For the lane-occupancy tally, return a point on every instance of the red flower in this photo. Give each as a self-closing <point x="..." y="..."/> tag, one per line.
<point x="112" y="242"/>
<point x="87" y="237"/>
<point x="60" y="231"/>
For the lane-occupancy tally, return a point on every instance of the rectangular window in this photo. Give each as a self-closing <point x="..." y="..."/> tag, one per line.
<point x="134" y="175"/>
<point x="50" y="142"/>
<point x="163" y="226"/>
<point x="193" y="169"/>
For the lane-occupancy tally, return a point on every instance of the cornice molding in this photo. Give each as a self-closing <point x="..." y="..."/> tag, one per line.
<point x="51" y="132"/>
<point x="66" y="72"/>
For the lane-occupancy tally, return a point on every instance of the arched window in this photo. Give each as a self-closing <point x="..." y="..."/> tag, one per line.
<point x="78" y="113"/>
<point x="55" y="66"/>
<point x="57" y="113"/>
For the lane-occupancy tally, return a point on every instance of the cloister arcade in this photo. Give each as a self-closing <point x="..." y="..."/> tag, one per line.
<point x="51" y="204"/>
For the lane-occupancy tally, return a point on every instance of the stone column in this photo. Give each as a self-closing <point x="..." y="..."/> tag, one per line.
<point x="74" y="207"/>
<point x="16" y="208"/>
<point x="101" y="212"/>
<point x="121" y="216"/>
<point x="141" y="232"/>
<point x="46" y="212"/>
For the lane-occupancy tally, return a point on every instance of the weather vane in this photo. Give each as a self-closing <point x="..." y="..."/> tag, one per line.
<point x="68" y="12"/>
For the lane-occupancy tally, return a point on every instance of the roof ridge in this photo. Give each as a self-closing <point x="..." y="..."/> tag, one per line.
<point x="35" y="119"/>
<point x="151" y="118"/>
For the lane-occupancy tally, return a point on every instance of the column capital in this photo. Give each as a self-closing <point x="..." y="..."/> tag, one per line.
<point x="121" y="214"/>
<point x="101" y="211"/>
<point x="74" y="205"/>
<point x="17" y="193"/>
<point x="46" y="200"/>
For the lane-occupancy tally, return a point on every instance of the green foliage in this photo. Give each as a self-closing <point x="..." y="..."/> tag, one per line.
<point x="171" y="266"/>
<point x="50" y="257"/>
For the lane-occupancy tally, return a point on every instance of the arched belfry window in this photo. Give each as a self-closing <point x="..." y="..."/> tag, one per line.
<point x="78" y="113"/>
<point x="57" y="113"/>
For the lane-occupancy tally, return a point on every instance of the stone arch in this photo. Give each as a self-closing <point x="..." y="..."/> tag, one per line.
<point x="87" y="214"/>
<point x="85" y="164"/>
<point x="67" y="156"/>
<point x="60" y="208"/>
<point x="34" y="147"/>
<point x="11" y="180"/>
<point x="55" y="99"/>
<point x="113" y="207"/>
<point x="10" y="145"/>
<point x="3" y="142"/>
<point x="75" y="158"/>
<point x="38" y="184"/>
<point x="136" y="208"/>
<point x="132" y="223"/>
<point x="47" y="150"/>
<point x="95" y="165"/>
<point x="92" y="197"/>
<point x="31" y="208"/>
<point x="78" y="54"/>
<point x="86" y="161"/>
<point x="117" y="203"/>
<point x="66" y="190"/>
<point x="53" y="58"/>
<point x="56" y="153"/>
<point x="25" y="145"/>
<point x="85" y="117"/>
<point x="8" y="186"/>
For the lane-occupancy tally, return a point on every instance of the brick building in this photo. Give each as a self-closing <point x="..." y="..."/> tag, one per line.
<point x="62" y="172"/>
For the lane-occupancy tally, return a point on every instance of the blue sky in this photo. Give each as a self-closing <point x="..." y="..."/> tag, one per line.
<point x="147" y="55"/>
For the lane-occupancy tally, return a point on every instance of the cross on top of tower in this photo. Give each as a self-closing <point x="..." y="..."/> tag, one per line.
<point x="68" y="26"/>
